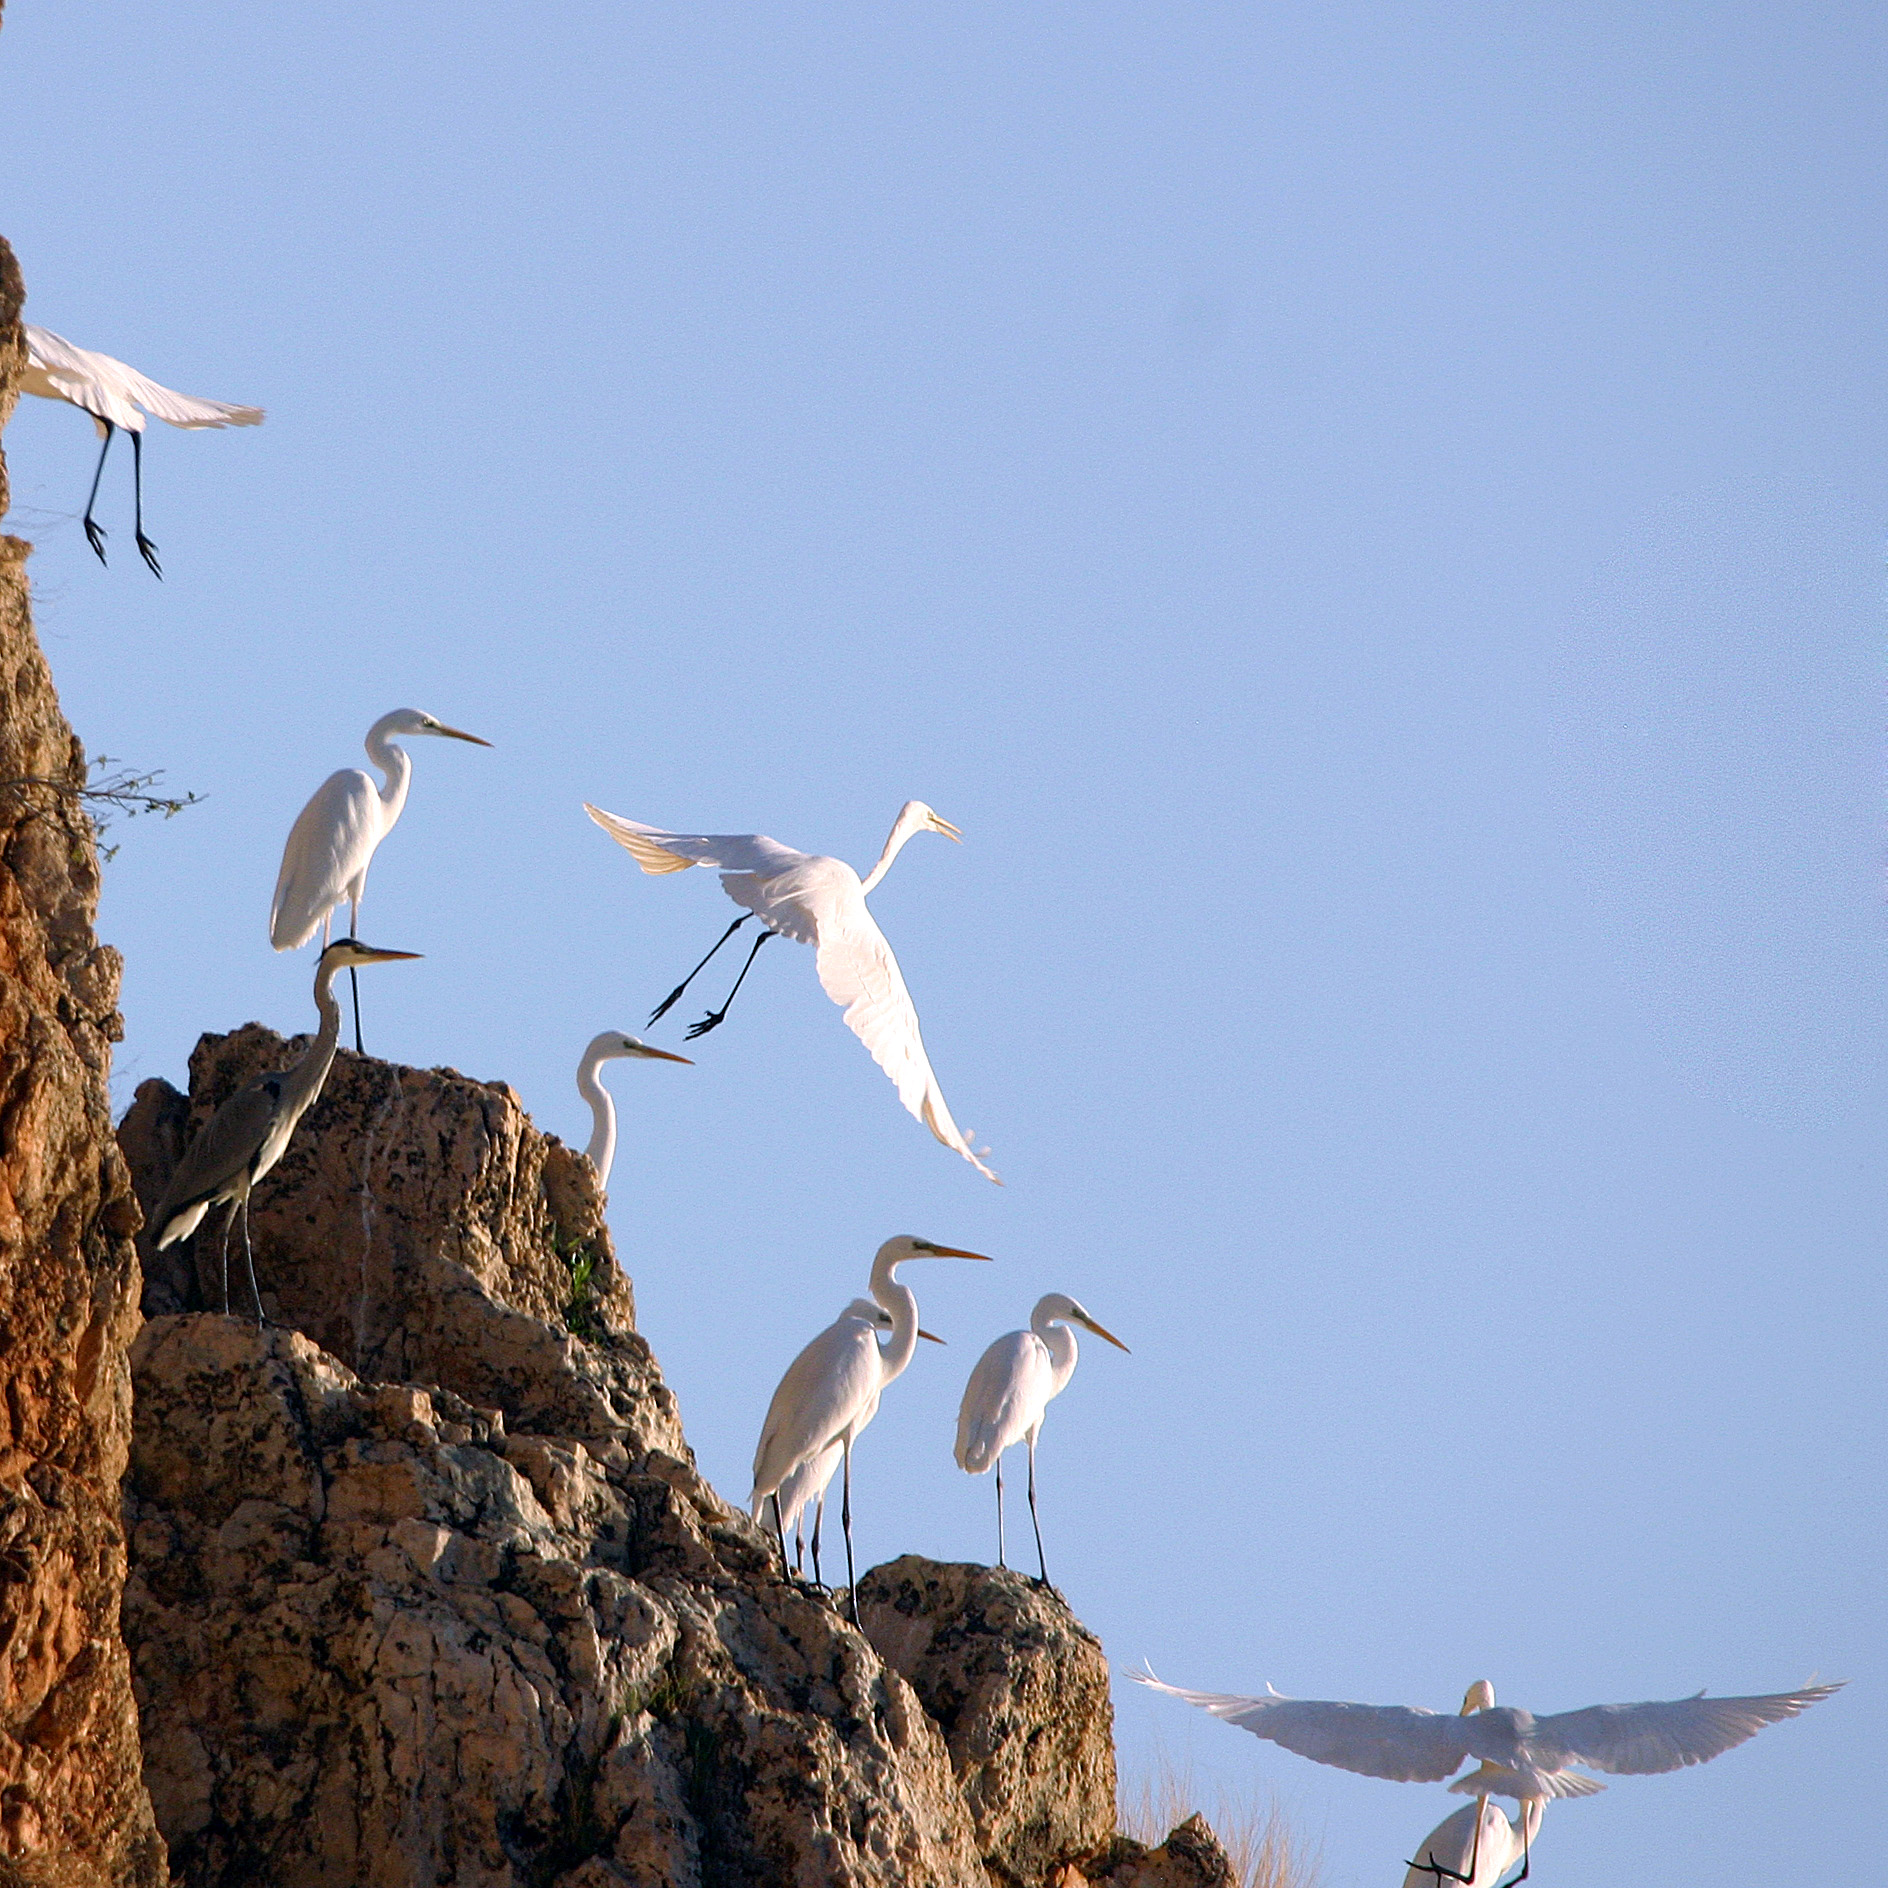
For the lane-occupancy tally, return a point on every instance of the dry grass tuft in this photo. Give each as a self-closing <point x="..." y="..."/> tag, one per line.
<point x="1263" y="1849"/>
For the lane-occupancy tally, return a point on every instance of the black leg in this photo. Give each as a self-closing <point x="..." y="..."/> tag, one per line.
<point x="715" y="1018"/>
<point x="1033" y="1522"/>
<point x="95" y="533"/>
<point x="668" y="1002"/>
<point x="229" y="1219"/>
<point x="354" y="984"/>
<point x="1000" y="1561"/>
<point x="845" y="1521"/>
<point x="146" y="549"/>
<point x="819" y="1518"/>
<point x="1527" y="1858"/>
<point x="249" y="1259"/>
<point x="780" y="1534"/>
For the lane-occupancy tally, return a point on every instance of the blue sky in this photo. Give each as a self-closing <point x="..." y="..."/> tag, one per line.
<point x="1369" y="518"/>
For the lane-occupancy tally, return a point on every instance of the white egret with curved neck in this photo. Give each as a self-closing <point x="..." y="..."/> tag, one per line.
<point x="808" y="1482"/>
<point x="113" y="394"/>
<point x="831" y="1390"/>
<point x="332" y="842"/>
<point x="611" y="1046"/>
<point x="1477" y="1846"/>
<point x="819" y="901"/>
<point x="250" y="1132"/>
<point x="1008" y="1392"/>
<point x="1520" y="1755"/>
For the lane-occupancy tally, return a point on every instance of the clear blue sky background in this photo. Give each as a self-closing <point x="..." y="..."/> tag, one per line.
<point x="1369" y="517"/>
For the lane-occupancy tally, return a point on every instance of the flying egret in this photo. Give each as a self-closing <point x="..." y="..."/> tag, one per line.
<point x="818" y="901"/>
<point x="610" y="1046"/>
<point x="1477" y="1846"/>
<point x="1521" y="1755"/>
<point x="831" y="1390"/>
<point x="1010" y="1389"/>
<point x="332" y="842"/>
<point x="808" y="1482"/>
<point x="112" y="393"/>
<point x="249" y="1133"/>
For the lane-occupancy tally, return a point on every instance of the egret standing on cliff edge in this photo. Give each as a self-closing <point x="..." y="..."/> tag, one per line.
<point x="819" y="901"/>
<point x="112" y="393"/>
<point x="332" y="842"/>
<point x="612" y="1045"/>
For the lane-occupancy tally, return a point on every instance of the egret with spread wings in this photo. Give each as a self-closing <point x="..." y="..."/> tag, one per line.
<point x="114" y="394"/>
<point x="818" y="901"/>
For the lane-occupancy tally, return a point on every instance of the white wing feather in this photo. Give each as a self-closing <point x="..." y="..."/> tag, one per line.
<point x="1005" y="1396"/>
<point x="108" y="389"/>
<point x="827" y="1388"/>
<point x="658" y="851"/>
<point x="1641" y="1739"/>
<point x="329" y="846"/>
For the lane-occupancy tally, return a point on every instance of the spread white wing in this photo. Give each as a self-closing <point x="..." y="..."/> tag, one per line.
<point x="1639" y="1739"/>
<point x="109" y="390"/>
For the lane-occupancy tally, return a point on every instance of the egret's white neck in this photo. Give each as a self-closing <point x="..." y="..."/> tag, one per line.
<point x="902" y="1303"/>
<point x="903" y="827"/>
<point x="392" y="761"/>
<point x="602" y="1148"/>
<point x="1062" y="1347"/>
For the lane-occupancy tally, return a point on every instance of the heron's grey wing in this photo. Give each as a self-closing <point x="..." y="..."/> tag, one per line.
<point x="859" y="972"/>
<point x="328" y="847"/>
<point x="1639" y="1739"/>
<point x="658" y="851"/>
<point x="229" y="1142"/>
<point x="1401" y="1742"/>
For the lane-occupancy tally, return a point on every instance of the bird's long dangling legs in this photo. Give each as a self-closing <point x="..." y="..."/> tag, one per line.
<point x="668" y="1002"/>
<point x="229" y="1219"/>
<point x="1527" y="1859"/>
<point x="249" y="1259"/>
<point x="1442" y="1871"/>
<point x="845" y="1521"/>
<point x="94" y="532"/>
<point x="1033" y="1522"/>
<point x="146" y="549"/>
<point x="715" y="1018"/>
<point x="1000" y="1561"/>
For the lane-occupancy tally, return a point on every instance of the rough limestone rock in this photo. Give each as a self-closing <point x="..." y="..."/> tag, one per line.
<point x="478" y="1621"/>
<point x="1191" y="1857"/>
<point x="72" y="1805"/>
<point x="1019" y="1688"/>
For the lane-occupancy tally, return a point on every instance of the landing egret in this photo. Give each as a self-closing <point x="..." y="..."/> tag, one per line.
<point x="332" y="842"/>
<point x="112" y="393"/>
<point x="1477" y="1846"/>
<point x="817" y="901"/>
<point x="1010" y="1389"/>
<point x="808" y="1482"/>
<point x="831" y="1390"/>
<point x="610" y="1046"/>
<point x="249" y="1133"/>
<point x="1520" y="1755"/>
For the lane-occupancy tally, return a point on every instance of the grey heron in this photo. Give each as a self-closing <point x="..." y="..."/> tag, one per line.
<point x="249" y="1133"/>
<point x="611" y="1045"/>
<point x="1009" y="1391"/>
<point x="113" y="394"/>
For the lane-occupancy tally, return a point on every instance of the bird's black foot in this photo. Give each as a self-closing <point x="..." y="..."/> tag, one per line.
<point x="713" y="1020"/>
<point x="1439" y="1870"/>
<point x="148" y="551"/>
<point x="95" y="537"/>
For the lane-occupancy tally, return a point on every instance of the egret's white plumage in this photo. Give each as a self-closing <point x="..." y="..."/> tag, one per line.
<point x="832" y="1389"/>
<point x="612" y="1045"/>
<point x="1410" y="1744"/>
<point x="1011" y="1387"/>
<point x="1454" y="1851"/>
<point x="332" y="842"/>
<point x="114" y="394"/>
<point x="820" y="901"/>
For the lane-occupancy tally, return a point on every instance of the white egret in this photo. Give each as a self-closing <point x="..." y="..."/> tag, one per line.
<point x="1527" y="1757"/>
<point x="808" y="1482"/>
<point x="332" y="842"/>
<point x="249" y="1133"/>
<point x="818" y="901"/>
<point x="1009" y="1390"/>
<point x="831" y="1390"/>
<point x="610" y="1046"/>
<point x="1477" y="1846"/>
<point x="113" y="393"/>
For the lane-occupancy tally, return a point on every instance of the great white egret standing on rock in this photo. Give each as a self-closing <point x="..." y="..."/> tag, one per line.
<point x="332" y="842"/>
<point x="831" y="1390"/>
<point x="113" y="393"/>
<point x="249" y="1133"/>
<point x="819" y="901"/>
<point x="1527" y="1757"/>
<point x="1009" y="1390"/>
<point x="610" y="1046"/>
<point x="808" y="1482"/>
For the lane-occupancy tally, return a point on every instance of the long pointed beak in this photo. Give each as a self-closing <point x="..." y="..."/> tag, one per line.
<point x="939" y="824"/>
<point x="930" y="1336"/>
<point x="376" y="956"/>
<point x="1090" y="1324"/>
<point x="662" y="1055"/>
<point x="952" y="1252"/>
<point x="459" y="734"/>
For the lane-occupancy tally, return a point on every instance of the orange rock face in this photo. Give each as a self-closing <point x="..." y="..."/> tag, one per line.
<point x="72" y="1803"/>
